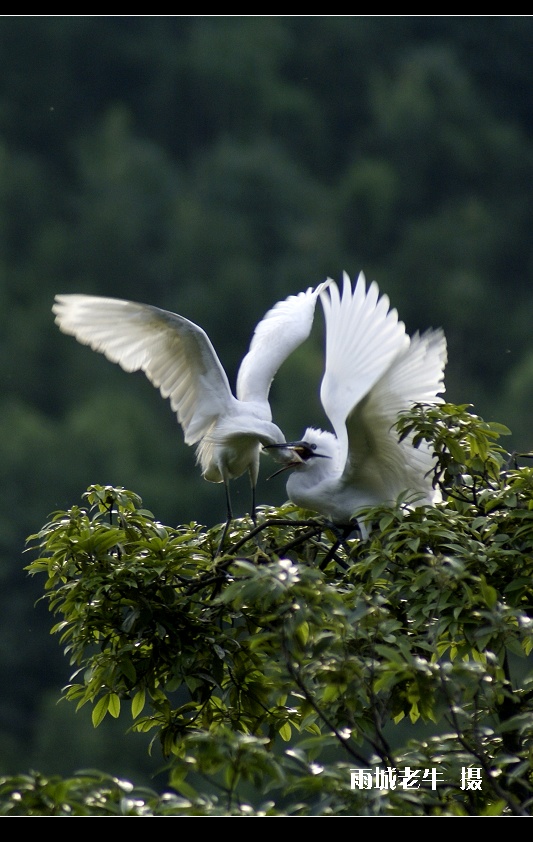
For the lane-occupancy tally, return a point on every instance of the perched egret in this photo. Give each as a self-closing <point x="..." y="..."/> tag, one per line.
<point x="373" y="371"/>
<point x="178" y="358"/>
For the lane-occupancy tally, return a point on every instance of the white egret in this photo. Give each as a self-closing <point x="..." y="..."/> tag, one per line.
<point x="178" y="358"/>
<point x="373" y="371"/>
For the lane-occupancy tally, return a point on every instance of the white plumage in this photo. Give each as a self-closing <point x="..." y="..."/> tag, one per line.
<point x="373" y="371"/>
<point x="178" y="358"/>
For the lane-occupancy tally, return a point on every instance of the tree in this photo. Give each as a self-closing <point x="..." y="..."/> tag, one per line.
<point x="305" y="672"/>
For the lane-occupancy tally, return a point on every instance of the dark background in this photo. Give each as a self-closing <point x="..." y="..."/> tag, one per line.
<point x="212" y="166"/>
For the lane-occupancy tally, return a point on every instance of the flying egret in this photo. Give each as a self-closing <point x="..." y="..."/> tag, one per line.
<point x="373" y="371"/>
<point x="178" y="358"/>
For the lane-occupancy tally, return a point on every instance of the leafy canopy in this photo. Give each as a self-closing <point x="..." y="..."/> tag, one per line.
<point x="303" y="671"/>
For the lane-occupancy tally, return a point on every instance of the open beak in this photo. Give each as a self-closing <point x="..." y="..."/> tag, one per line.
<point x="286" y="467"/>
<point x="286" y="452"/>
<point x="295" y="453"/>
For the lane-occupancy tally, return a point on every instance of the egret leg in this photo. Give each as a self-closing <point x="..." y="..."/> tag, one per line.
<point x="253" y="514"/>
<point x="229" y="517"/>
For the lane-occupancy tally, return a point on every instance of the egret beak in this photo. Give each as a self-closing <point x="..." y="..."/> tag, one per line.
<point x="288" y="445"/>
<point x="291" y="448"/>
<point x="284" y="468"/>
<point x="297" y="453"/>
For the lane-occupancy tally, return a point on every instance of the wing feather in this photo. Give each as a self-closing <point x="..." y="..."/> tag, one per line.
<point x="283" y="328"/>
<point x="175" y="354"/>
<point x="416" y="375"/>
<point x="363" y="336"/>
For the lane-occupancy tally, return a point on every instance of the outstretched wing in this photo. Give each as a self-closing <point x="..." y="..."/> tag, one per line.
<point x="278" y="334"/>
<point x="416" y="375"/>
<point x="363" y="336"/>
<point x="175" y="354"/>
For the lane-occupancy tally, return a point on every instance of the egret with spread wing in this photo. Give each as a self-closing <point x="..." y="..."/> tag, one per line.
<point x="373" y="371"/>
<point x="178" y="358"/>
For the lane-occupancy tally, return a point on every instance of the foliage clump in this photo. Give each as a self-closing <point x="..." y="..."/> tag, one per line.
<point x="303" y="671"/>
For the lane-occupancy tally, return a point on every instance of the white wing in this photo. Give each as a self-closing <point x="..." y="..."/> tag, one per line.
<point x="278" y="334"/>
<point x="363" y="336"/>
<point x="416" y="375"/>
<point x="175" y="354"/>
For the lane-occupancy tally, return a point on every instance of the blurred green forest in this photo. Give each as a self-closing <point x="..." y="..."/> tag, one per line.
<point x="212" y="166"/>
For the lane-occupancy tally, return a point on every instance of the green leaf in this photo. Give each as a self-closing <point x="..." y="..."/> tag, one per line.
<point x="490" y="594"/>
<point x="114" y="705"/>
<point x="138" y="703"/>
<point x="100" y="710"/>
<point x="285" y="732"/>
